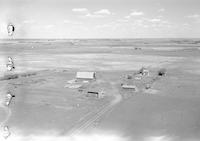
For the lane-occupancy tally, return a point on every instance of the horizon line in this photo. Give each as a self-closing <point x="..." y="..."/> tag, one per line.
<point x="94" y="38"/>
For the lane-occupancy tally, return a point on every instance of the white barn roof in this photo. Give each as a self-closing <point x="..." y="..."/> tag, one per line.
<point x="85" y="75"/>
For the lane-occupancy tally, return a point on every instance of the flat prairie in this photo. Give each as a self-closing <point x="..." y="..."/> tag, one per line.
<point x="45" y="109"/>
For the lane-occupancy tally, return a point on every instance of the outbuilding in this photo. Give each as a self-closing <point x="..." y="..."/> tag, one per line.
<point x="85" y="75"/>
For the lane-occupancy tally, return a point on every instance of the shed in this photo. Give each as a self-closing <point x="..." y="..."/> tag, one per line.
<point x="85" y="75"/>
<point x="144" y="71"/>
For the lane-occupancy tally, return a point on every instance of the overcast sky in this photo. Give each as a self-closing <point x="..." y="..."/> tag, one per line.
<point x="101" y="18"/>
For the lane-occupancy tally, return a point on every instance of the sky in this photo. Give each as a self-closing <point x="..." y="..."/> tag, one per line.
<point x="101" y="18"/>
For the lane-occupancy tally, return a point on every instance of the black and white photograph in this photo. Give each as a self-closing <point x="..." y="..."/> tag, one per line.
<point x="99" y="70"/>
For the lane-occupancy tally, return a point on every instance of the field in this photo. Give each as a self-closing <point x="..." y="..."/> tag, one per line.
<point x="44" y="109"/>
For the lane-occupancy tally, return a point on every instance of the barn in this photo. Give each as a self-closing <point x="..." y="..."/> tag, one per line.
<point x="85" y="75"/>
